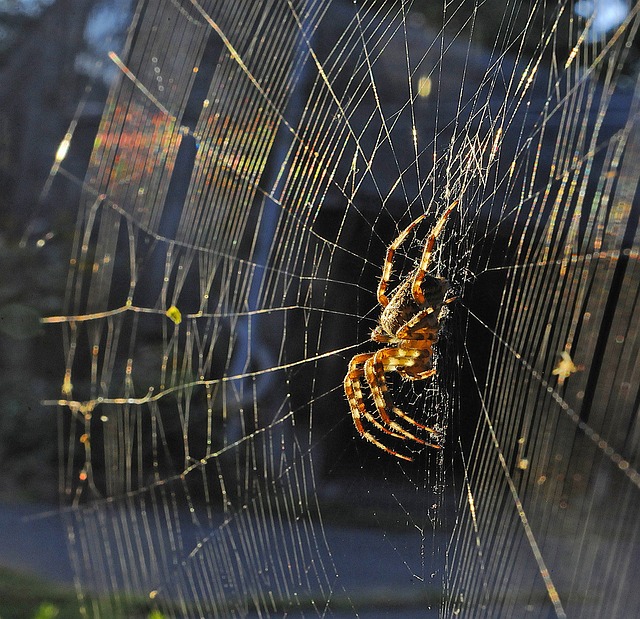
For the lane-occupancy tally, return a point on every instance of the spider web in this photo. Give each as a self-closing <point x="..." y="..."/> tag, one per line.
<point x="252" y="164"/>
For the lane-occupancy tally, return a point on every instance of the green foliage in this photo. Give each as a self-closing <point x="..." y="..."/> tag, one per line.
<point x="23" y="596"/>
<point x="46" y="611"/>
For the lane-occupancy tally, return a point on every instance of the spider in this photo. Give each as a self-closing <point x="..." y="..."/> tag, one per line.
<point x="409" y="326"/>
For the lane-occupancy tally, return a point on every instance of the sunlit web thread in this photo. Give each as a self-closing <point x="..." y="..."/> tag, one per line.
<point x="474" y="521"/>
<point x="615" y="457"/>
<point x="574" y="258"/>
<point x="152" y="397"/>
<point x="161" y="312"/>
<point x="147" y="93"/>
<point x="235" y="55"/>
<point x="103" y="200"/>
<point x="321" y="72"/>
<point x="383" y="120"/>
<point x="85" y="409"/>
<point x="532" y="195"/>
<point x="95" y="314"/>
<point x="187" y="131"/>
<point x="552" y="592"/>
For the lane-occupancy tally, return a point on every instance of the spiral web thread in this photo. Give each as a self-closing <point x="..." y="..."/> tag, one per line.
<point x="243" y="151"/>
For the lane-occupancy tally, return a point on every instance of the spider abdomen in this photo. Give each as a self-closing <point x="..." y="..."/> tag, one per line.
<point x="403" y="307"/>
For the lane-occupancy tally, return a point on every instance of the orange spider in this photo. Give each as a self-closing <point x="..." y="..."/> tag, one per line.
<point x="409" y="325"/>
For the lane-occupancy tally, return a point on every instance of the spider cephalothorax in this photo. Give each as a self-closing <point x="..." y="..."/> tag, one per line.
<point x="409" y="326"/>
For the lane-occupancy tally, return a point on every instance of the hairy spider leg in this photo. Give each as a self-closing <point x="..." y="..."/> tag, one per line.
<point x="425" y="261"/>
<point x="420" y="338"/>
<point x="411" y="331"/>
<point x="356" y="372"/>
<point x="422" y="368"/>
<point x="388" y="263"/>
<point x="353" y="392"/>
<point x="375" y="376"/>
<point x="383" y="361"/>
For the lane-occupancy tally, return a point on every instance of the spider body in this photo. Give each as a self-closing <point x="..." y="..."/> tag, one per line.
<point x="409" y="326"/>
<point x="403" y="306"/>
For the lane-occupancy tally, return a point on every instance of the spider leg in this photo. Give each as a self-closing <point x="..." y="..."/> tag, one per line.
<point x="413" y="375"/>
<point x="422" y="375"/>
<point x="388" y="263"/>
<point x="422" y="368"/>
<point x="354" y="395"/>
<point x="414" y="330"/>
<point x="375" y="368"/>
<point x="408" y="419"/>
<point x="425" y="261"/>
